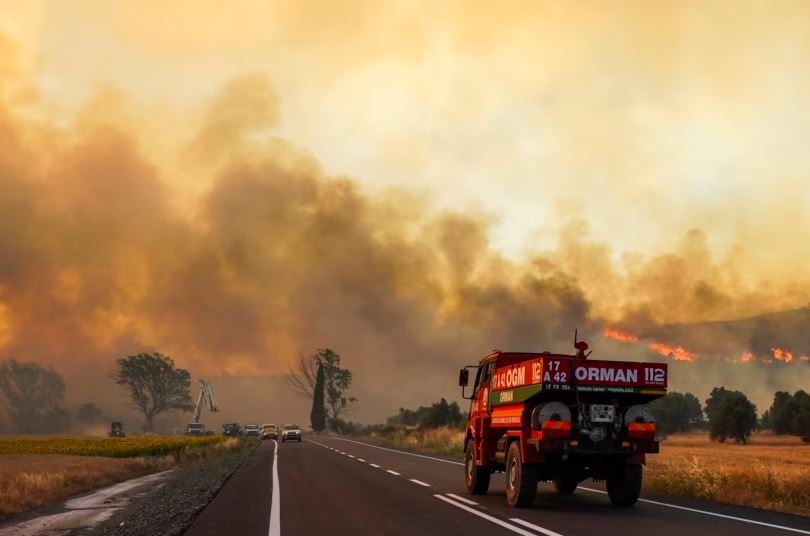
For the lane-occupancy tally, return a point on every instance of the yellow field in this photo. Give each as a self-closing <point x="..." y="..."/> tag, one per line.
<point x="112" y="447"/>
<point x="771" y="472"/>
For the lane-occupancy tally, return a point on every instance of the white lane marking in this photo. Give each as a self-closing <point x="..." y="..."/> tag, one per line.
<point x="532" y="526"/>
<point x="708" y="513"/>
<point x="488" y="517"/>
<point x="342" y="452"/>
<point x="420" y="482"/>
<point x="462" y="499"/>
<point x="392" y="472"/>
<point x="399" y="451"/>
<point x="351" y="456"/>
<point x="374" y="465"/>
<point x="275" y="502"/>
<point x="361" y="460"/>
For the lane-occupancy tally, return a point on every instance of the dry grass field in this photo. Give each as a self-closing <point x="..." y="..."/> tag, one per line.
<point x="35" y="477"/>
<point x="771" y="472"/>
<point x="31" y="480"/>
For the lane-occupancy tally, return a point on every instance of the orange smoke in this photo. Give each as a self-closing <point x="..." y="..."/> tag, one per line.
<point x="677" y="353"/>
<point x="782" y="355"/>
<point x="746" y="357"/>
<point x="613" y="333"/>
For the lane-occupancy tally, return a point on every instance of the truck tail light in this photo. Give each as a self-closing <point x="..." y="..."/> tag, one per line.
<point x="641" y="430"/>
<point x="555" y="429"/>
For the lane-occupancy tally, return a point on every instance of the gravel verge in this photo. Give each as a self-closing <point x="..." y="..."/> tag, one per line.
<point x="171" y="508"/>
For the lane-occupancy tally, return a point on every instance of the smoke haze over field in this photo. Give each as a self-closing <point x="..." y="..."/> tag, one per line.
<point x="421" y="194"/>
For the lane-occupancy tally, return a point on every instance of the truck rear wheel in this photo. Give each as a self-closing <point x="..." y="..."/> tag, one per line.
<point x="475" y="476"/>
<point x="624" y="486"/>
<point x="521" y="479"/>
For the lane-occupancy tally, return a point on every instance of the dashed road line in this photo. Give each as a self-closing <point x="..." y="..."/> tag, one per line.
<point x="488" y="517"/>
<point x="425" y="484"/>
<point x="398" y="451"/>
<point x="532" y="526"/>
<point x="462" y="499"/>
<point x="374" y="465"/>
<point x="361" y="460"/>
<point x="392" y="472"/>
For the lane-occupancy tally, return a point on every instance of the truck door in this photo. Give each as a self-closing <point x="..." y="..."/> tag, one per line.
<point x="481" y="408"/>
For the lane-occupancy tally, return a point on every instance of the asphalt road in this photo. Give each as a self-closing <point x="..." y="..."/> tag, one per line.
<point x="336" y="486"/>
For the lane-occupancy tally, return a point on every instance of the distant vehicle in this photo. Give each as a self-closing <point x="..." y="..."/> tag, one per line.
<point x="269" y="431"/>
<point x="252" y="430"/>
<point x="231" y="429"/>
<point x="116" y="430"/>
<point x="196" y="429"/>
<point x="291" y="432"/>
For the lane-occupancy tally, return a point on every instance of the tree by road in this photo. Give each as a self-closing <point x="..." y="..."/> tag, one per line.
<point x="155" y="384"/>
<point x="676" y="412"/>
<point x="303" y="376"/>
<point x="317" y="416"/>
<point x="33" y="396"/>
<point x="731" y="415"/>
<point x="789" y="414"/>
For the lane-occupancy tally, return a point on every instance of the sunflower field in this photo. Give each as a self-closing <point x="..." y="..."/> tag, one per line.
<point x="111" y="447"/>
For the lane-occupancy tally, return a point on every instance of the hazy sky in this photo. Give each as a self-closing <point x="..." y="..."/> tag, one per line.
<point x="409" y="183"/>
<point x="646" y="119"/>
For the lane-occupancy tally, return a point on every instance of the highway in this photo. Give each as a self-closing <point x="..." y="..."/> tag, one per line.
<point x="328" y="485"/>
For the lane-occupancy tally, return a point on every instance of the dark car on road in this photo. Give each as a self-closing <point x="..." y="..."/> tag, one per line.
<point x="231" y="429"/>
<point x="291" y="432"/>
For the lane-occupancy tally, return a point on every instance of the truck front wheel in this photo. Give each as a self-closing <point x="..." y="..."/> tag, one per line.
<point x="475" y="476"/>
<point x="624" y="486"/>
<point x="521" y="479"/>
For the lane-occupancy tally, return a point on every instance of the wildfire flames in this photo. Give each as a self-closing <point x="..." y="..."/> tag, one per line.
<point x="782" y="355"/>
<point x="678" y="353"/>
<point x="619" y="335"/>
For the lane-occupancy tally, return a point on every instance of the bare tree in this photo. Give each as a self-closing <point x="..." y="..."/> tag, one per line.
<point x="303" y="374"/>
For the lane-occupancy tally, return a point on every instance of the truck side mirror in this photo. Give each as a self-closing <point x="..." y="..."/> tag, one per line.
<point x="463" y="377"/>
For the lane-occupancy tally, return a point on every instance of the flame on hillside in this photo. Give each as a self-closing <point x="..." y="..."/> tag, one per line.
<point x="782" y="355"/>
<point x="618" y="335"/>
<point x="677" y="353"/>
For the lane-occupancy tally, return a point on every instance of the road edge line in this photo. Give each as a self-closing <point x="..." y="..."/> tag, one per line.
<point x="275" y="501"/>
<point x="708" y="513"/>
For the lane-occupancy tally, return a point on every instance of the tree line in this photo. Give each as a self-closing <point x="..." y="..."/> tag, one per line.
<point x="730" y="415"/>
<point x="33" y="396"/>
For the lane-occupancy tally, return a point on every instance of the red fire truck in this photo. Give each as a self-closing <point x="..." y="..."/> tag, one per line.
<point x="560" y="418"/>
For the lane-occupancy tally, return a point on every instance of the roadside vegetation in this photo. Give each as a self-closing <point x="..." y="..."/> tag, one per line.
<point x="126" y="447"/>
<point x="37" y="472"/>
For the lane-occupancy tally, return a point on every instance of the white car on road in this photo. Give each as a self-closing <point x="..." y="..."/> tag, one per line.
<point x="291" y="432"/>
